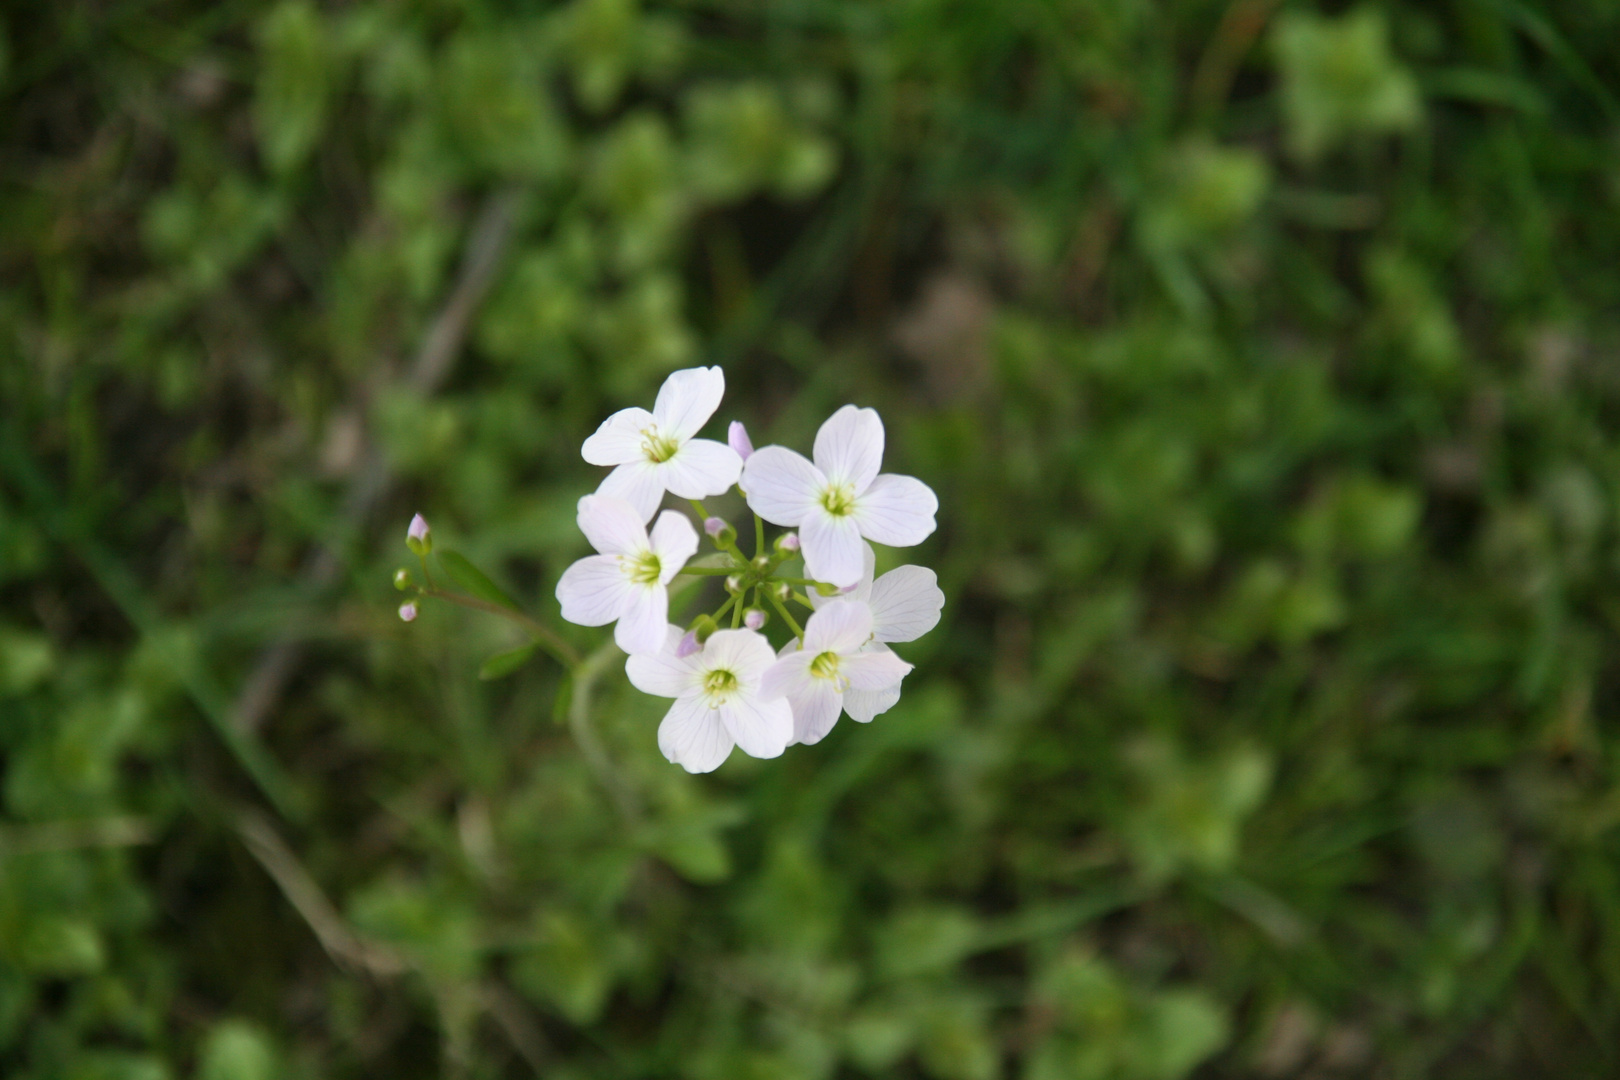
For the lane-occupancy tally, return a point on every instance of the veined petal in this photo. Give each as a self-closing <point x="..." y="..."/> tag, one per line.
<point x="593" y="591"/>
<point x="639" y="483"/>
<point x="762" y="728"/>
<point x="693" y="737"/>
<point x="662" y="673"/>
<point x="611" y="525"/>
<point x="849" y="447"/>
<point x="619" y="438"/>
<point x="905" y="603"/>
<point x="642" y="627"/>
<point x="862" y="589"/>
<point x="745" y="653"/>
<point x="787" y="675"/>
<point x="840" y="627"/>
<point x="782" y="486"/>
<point x="674" y="541"/>
<point x="686" y="401"/>
<point x="862" y="705"/>
<point x="831" y="547"/>
<point x="700" y="468"/>
<point x="874" y="670"/>
<point x="815" y="711"/>
<point x="896" y="510"/>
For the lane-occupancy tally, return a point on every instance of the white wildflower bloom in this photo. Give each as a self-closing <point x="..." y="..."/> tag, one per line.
<point x="629" y="580"/>
<point x="718" y="703"/>
<point x="840" y="497"/>
<point x="817" y="678"/>
<point x="905" y="604"/>
<point x="655" y="451"/>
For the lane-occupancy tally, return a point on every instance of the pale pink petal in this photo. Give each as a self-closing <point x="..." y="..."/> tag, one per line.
<point x="896" y="510"/>
<point x="646" y="616"/>
<point x="862" y="705"/>
<point x="640" y="483"/>
<point x="781" y="485"/>
<point x="862" y="589"/>
<point x="905" y="603"/>
<point x="787" y="676"/>
<point x="700" y="468"/>
<point x="875" y="670"/>
<point x="831" y="546"/>
<point x="841" y="626"/>
<point x="815" y="710"/>
<point x="663" y="673"/>
<point x="611" y="525"/>
<point x="686" y="401"/>
<point x="673" y="541"/>
<point x="693" y="737"/>
<point x="744" y="653"/>
<point x="593" y="591"/>
<point x="762" y="728"/>
<point x="619" y="439"/>
<point x="849" y="447"/>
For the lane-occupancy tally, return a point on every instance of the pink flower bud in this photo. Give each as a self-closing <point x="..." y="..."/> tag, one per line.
<point x="714" y="526"/>
<point x="688" y="645"/>
<point x="419" y="528"/>
<point x="407" y="611"/>
<point x="790" y="542"/>
<point x="737" y="439"/>
<point x="754" y="619"/>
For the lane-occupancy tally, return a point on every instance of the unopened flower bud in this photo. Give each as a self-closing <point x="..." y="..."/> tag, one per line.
<point x="402" y="579"/>
<point x="762" y="562"/>
<point x="714" y="526"/>
<point x="734" y="583"/>
<point x="701" y="628"/>
<point x="755" y="618"/>
<point x="824" y="589"/>
<point x="788" y="542"/>
<point x="688" y="645"/>
<point x="783" y="591"/>
<point x="407" y="611"/>
<point x="737" y="439"/>
<point x="719" y="531"/>
<point x="419" y="538"/>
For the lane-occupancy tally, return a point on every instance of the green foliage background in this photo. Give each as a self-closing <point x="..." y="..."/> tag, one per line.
<point x="1265" y="356"/>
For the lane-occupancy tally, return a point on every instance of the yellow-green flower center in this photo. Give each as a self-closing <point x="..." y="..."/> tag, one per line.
<point x="825" y="666"/>
<point x="719" y="683"/>
<point x="658" y="448"/>
<point x="838" y="499"/>
<point x="643" y="569"/>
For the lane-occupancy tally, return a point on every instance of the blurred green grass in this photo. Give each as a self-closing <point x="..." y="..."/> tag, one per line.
<point x="1262" y="353"/>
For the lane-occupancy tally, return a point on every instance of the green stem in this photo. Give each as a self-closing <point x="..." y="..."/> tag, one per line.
<point x="543" y="635"/>
<point x="805" y="600"/>
<point x="736" y="614"/>
<point x="759" y="535"/>
<point x="725" y="607"/>
<point x="787" y="617"/>
<point x="584" y="674"/>
<point x="800" y="581"/>
<point x="709" y="571"/>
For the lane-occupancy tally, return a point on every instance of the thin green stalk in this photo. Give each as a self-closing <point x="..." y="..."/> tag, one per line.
<point x="759" y="536"/>
<point x="781" y="609"/>
<point x="543" y="635"/>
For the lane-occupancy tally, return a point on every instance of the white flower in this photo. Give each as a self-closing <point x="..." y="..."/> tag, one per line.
<point x="840" y="498"/>
<point x="817" y="678"/>
<point x="655" y="451"/>
<point x="717" y="699"/>
<point x="629" y="580"/>
<point x="905" y="605"/>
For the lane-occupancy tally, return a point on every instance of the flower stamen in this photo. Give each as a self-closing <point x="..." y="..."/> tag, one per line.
<point x="838" y="499"/>
<point x="658" y="448"/>
<point x="643" y="569"/>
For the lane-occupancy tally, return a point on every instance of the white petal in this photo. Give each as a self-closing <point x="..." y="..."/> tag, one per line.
<point x="640" y="483"/>
<point x="686" y="401"/>
<point x="702" y="467"/>
<point x="815" y="711"/>
<point x="781" y="485"/>
<point x="905" y="603"/>
<point x="744" y="653"/>
<point x="862" y="590"/>
<point x="762" y="728"/>
<point x="693" y="737"/>
<point x="642" y="627"/>
<point x="896" y="510"/>
<point x="593" y="591"/>
<point x="849" y="447"/>
<point x="619" y="438"/>
<point x="611" y="525"/>
<point x="862" y="705"/>
<point x="787" y="676"/>
<point x="875" y="670"/>
<point x="662" y="673"/>
<point x="840" y="627"/>
<point x="831" y="547"/>
<point x="673" y="541"/>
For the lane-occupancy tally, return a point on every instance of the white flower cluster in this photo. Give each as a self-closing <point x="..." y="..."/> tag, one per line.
<point x="731" y="688"/>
